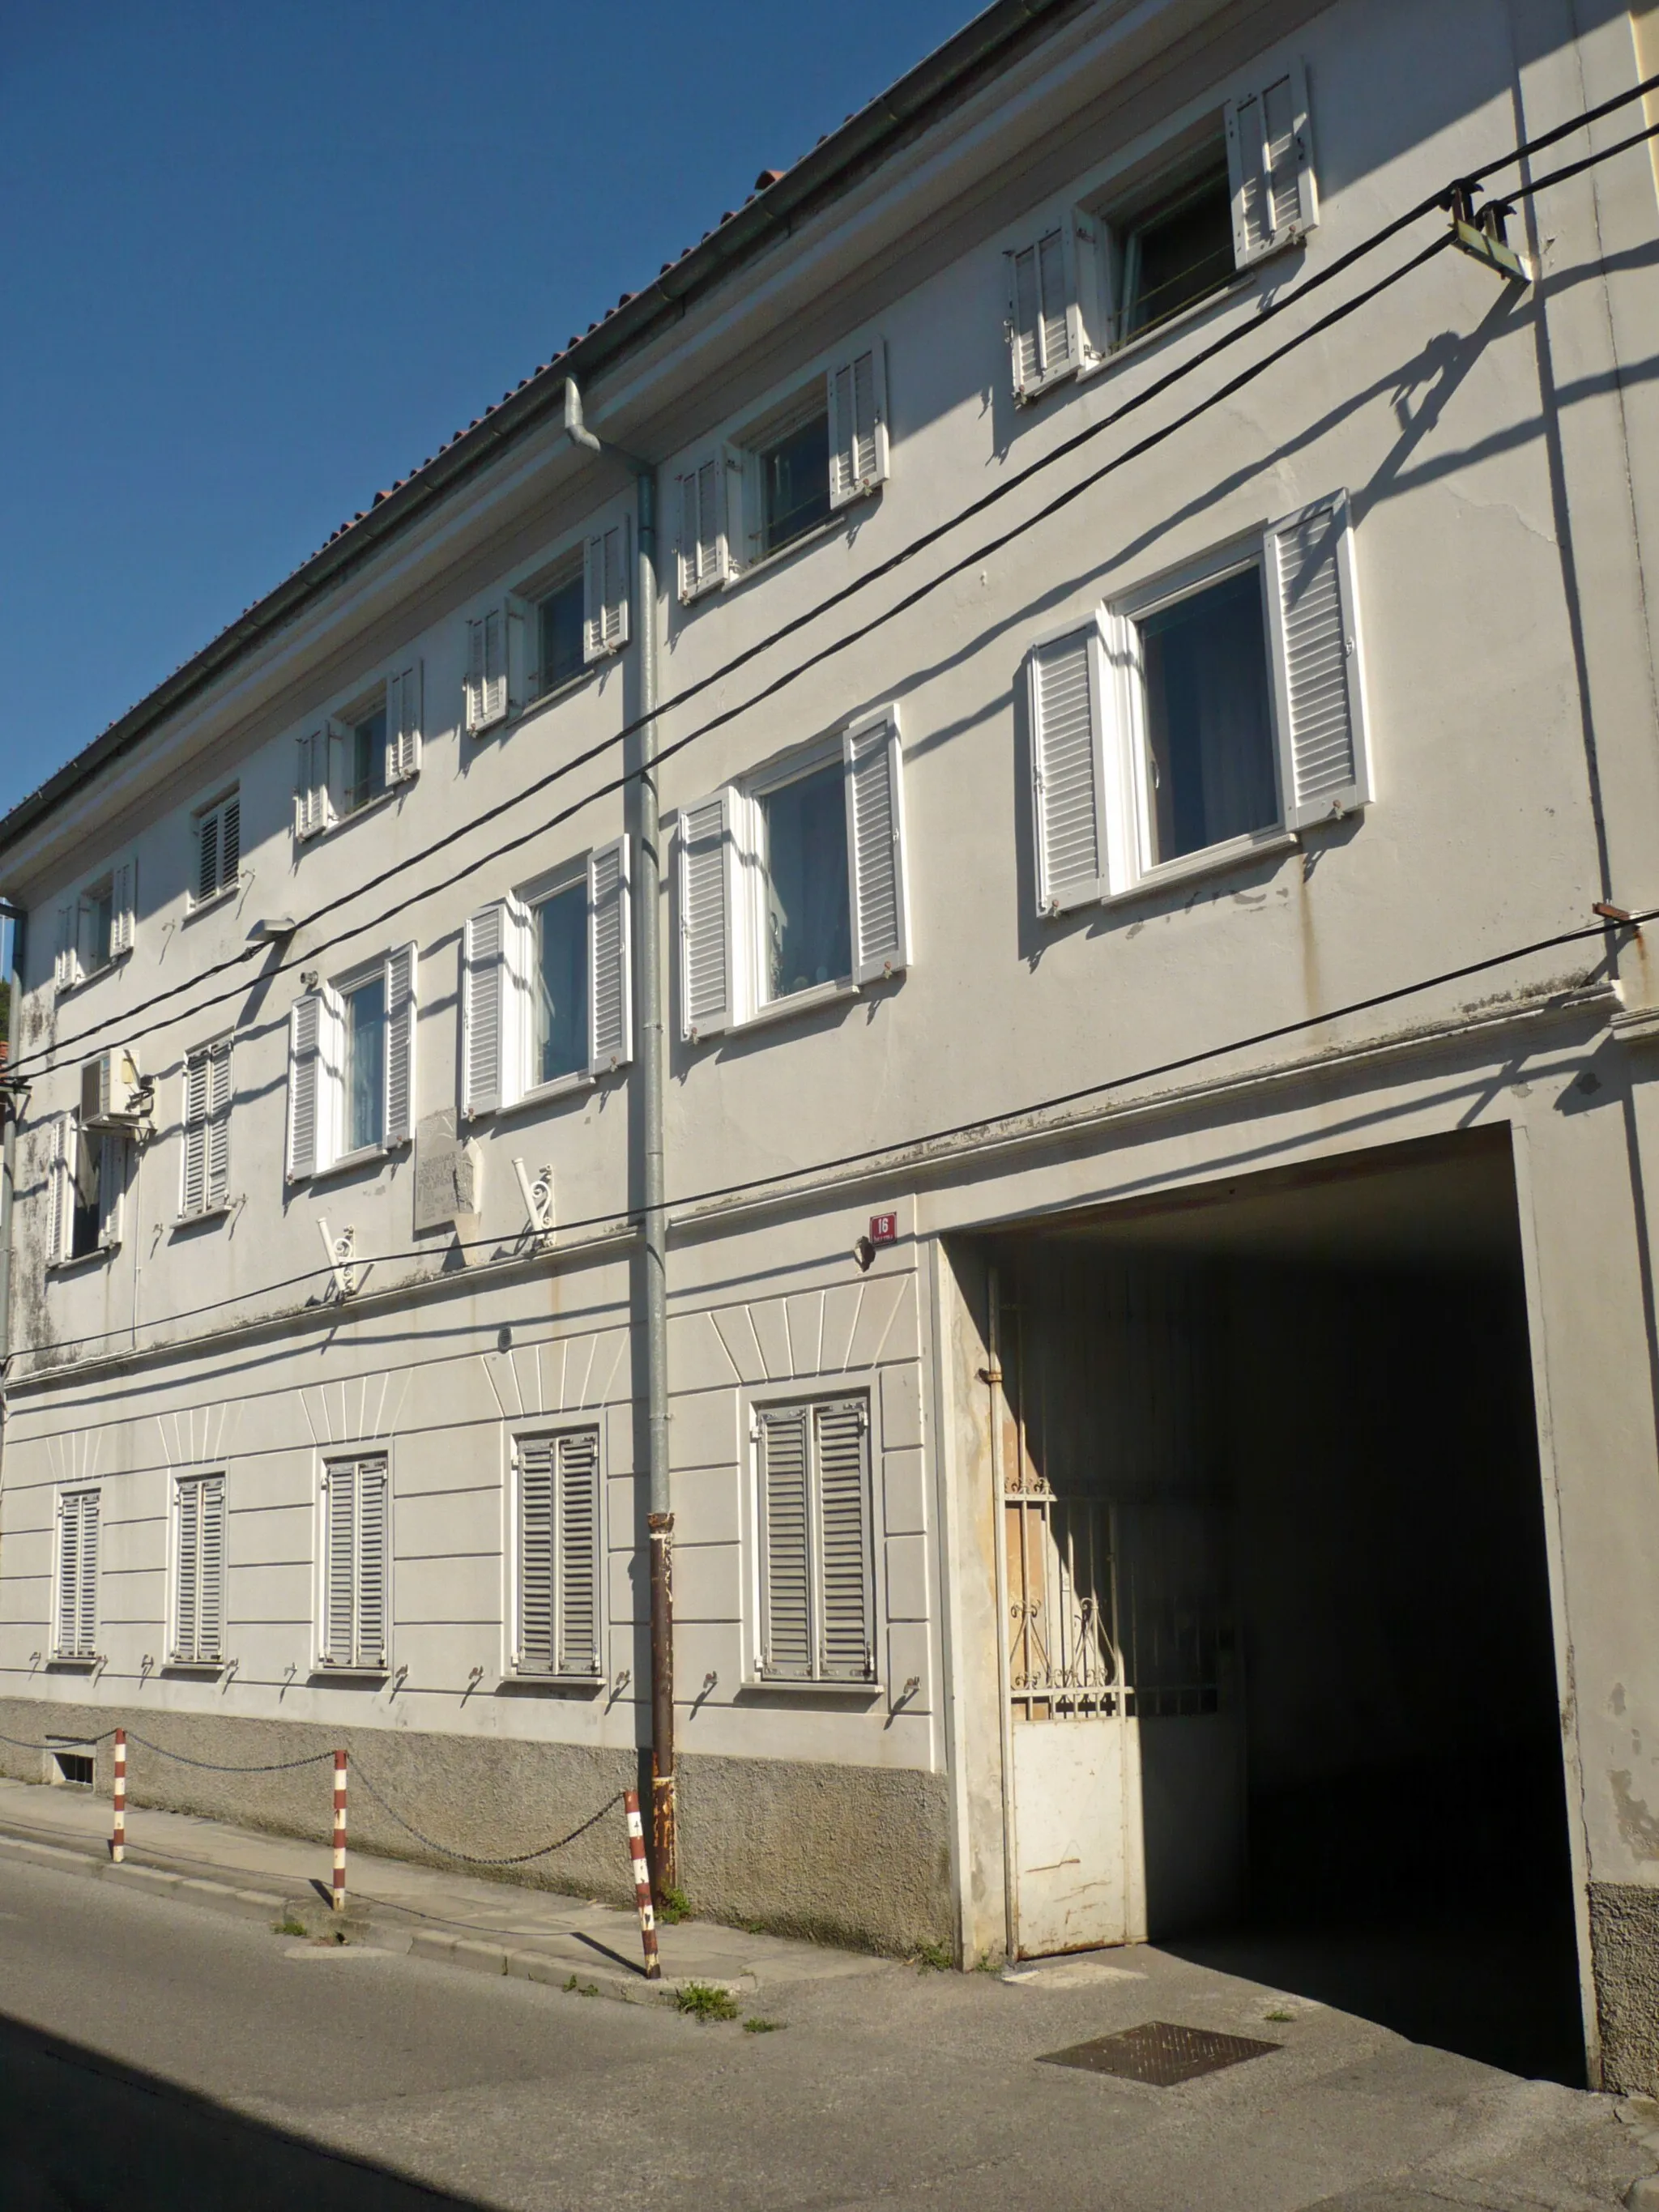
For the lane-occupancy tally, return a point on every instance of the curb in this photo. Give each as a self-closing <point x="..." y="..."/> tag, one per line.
<point x="463" y="1952"/>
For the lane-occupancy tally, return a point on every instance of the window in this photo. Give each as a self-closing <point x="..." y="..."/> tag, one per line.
<point x="218" y="848"/>
<point x="198" y="1571"/>
<point x="1233" y="708"/>
<point x="74" y="1629"/>
<point x="87" y="1181"/>
<point x="786" y="474"/>
<point x="351" y="1065"/>
<point x="1083" y="282"/>
<point x="561" y="643"/>
<point x="547" y="985"/>
<point x="95" y="926"/>
<point x="556" y="1528"/>
<point x="357" y="756"/>
<point x="794" y="882"/>
<point x="205" y="1185"/>
<point x="354" y="1573"/>
<point x="813" y="1480"/>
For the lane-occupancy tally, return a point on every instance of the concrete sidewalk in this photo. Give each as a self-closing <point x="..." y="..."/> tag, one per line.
<point x="454" y="1919"/>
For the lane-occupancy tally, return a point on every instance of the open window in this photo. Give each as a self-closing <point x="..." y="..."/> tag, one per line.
<point x="791" y="885"/>
<point x="355" y="757"/>
<point x="351" y="1065"/>
<point x="1188" y="723"/>
<point x="96" y="924"/>
<point x="547" y="985"/>
<point x="87" y="1178"/>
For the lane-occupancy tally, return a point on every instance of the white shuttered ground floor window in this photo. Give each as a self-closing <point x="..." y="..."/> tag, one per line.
<point x="75" y="1626"/>
<point x="812" y="1496"/>
<point x="198" y="1571"/>
<point x="556" y="1613"/>
<point x="356" y="1546"/>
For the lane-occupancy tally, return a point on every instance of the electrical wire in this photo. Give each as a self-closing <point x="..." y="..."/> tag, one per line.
<point x="869" y="1157"/>
<point x="47" y="1055"/>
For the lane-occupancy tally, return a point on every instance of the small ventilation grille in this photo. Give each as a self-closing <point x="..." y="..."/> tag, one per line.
<point x="1160" y="2052"/>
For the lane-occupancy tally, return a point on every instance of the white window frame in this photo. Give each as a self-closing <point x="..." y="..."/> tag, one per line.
<point x="495" y="681"/>
<point x="64" y="1139"/>
<point x="72" y="964"/>
<point x="320" y="788"/>
<point x="399" y="968"/>
<point x="359" y="1663"/>
<point x="79" y="1646"/>
<point x="218" y="813"/>
<point x="207" y="1095"/>
<point x="197" y="1660"/>
<point x="515" y="1666"/>
<point x="706" y="488"/>
<point x="497" y="987"/>
<point x="759" y="1672"/>
<point x="1119" y="753"/>
<point x="871" y="750"/>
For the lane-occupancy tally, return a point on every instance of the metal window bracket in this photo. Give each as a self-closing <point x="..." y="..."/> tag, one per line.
<point x="1484" y="235"/>
<point x="341" y="1251"/>
<point x="537" y="1191"/>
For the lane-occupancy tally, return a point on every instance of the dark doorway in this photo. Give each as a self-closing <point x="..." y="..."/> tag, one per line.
<point x="1308" y="1399"/>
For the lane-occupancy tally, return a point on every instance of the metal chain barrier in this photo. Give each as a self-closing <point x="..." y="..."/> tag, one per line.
<point x="216" y="1766"/>
<point x="23" y="1743"/>
<point x="470" y="1858"/>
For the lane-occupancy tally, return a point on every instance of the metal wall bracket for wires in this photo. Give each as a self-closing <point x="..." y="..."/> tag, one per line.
<point x="537" y="1194"/>
<point x="342" y="1252"/>
<point x="1484" y="236"/>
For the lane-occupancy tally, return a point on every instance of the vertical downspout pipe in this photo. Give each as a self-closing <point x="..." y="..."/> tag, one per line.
<point x="654" y="1229"/>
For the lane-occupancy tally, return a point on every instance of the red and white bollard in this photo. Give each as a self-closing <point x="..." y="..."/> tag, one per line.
<point x="642" y="1885"/>
<point x="339" y="1830"/>
<point x="118" y="1841"/>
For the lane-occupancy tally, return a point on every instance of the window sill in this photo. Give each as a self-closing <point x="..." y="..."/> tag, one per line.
<point x="797" y="1002"/>
<point x="1240" y="281"/>
<point x="325" y="1670"/>
<point x="378" y="805"/>
<point x="208" y="1214"/>
<point x="544" y="1094"/>
<point x="201" y="1669"/>
<point x="74" y="1662"/>
<point x="225" y="895"/>
<point x="93" y="975"/>
<point x="760" y="1687"/>
<point x="831" y="523"/>
<point x="365" y="1156"/>
<point x="543" y="700"/>
<point x="1213" y="861"/>
<point x="531" y="1678"/>
<point x="86" y="1260"/>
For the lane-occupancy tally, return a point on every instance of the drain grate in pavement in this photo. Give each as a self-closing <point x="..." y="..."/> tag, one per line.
<point x="1159" y="2051"/>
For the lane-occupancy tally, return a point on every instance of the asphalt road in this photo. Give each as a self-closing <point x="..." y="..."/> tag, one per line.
<point x="158" y="2058"/>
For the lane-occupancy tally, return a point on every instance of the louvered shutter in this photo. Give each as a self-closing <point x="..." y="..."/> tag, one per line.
<point x="488" y="689"/>
<point x="230" y="840"/>
<point x="1269" y="167"/>
<point x="605" y="592"/>
<point x="63" y="1135"/>
<point x="207" y="854"/>
<point x="218" y="1125"/>
<point x="66" y="967"/>
<point x="1313" y="614"/>
<point x="1068" y="774"/>
<point x="111" y="1188"/>
<point x="211" y="1588"/>
<point x="858" y="425"/>
<point x="339" y="1562"/>
<point x="483" y="1006"/>
<point x="198" y="1086"/>
<point x="1045" y="339"/>
<point x="875" y="845"/>
<point x="786" y="1562"/>
<point x="579" y="1552"/>
<point x="705" y="889"/>
<point x="401" y="972"/>
<point x="373" y="1535"/>
<point x="535" y="1641"/>
<point x="404" y="702"/>
<point x="609" y="980"/>
<point x="312" y="810"/>
<point x="845" y="1638"/>
<point x="123" y="917"/>
<point x="306" y="1151"/>
<point x="86" y="1627"/>
<point x="69" y="1573"/>
<point x="704" y="558"/>
<point x="186" y="1622"/>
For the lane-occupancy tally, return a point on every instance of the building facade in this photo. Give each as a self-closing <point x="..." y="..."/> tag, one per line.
<point x="1161" y="1339"/>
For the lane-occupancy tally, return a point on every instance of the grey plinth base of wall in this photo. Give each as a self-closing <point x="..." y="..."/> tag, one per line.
<point x="849" y="1854"/>
<point x="1624" y="1943"/>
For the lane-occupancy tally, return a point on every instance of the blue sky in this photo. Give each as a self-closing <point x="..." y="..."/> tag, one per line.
<point x="258" y="261"/>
